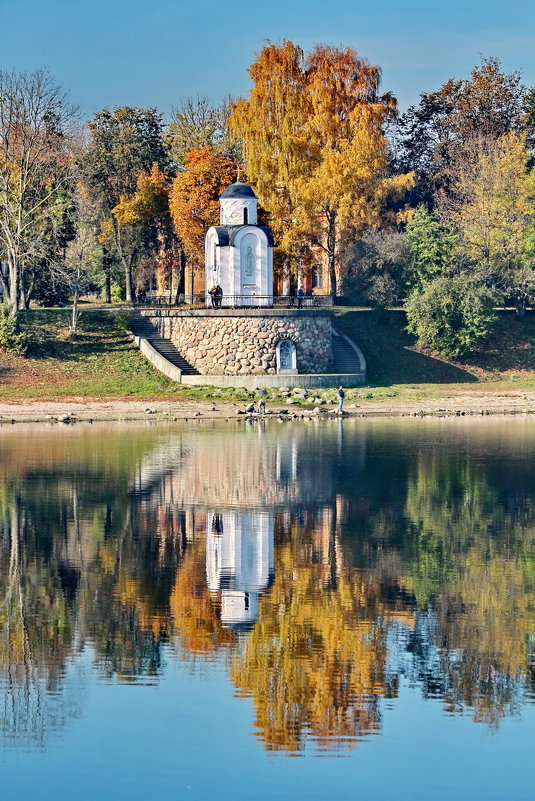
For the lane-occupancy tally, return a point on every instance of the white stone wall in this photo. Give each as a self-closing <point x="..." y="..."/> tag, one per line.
<point x="232" y="210"/>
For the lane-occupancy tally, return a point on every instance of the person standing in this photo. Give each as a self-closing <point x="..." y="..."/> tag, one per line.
<point x="341" y="396"/>
<point x="300" y="297"/>
<point x="292" y="296"/>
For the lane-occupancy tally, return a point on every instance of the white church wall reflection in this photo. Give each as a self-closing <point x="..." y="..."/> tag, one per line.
<point x="239" y="562"/>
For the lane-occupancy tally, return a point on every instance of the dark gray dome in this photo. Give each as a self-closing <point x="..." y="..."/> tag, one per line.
<point x="238" y="190"/>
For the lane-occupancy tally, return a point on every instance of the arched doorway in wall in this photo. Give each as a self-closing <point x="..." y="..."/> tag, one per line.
<point x="286" y="357"/>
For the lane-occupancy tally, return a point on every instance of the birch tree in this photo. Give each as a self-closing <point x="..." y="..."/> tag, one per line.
<point x="314" y="144"/>
<point x="35" y="168"/>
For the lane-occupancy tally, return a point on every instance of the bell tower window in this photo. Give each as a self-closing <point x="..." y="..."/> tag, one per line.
<point x="246" y="216"/>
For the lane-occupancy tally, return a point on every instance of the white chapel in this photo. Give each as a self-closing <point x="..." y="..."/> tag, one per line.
<point x="239" y="252"/>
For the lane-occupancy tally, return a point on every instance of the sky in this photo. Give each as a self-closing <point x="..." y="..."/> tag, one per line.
<point x="109" y="53"/>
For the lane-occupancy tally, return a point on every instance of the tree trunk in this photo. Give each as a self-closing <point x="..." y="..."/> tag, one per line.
<point x="13" y="294"/>
<point x="520" y="306"/>
<point x="128" y="280"/>
<point x="106" y="266"/>
<point x="331" y="251"/>
<point x="75" y="313"/>
<point x="26" y="292"/>
<point x="181" y="274"/>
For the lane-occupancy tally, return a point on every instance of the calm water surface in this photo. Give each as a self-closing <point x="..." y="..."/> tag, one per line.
<point x="183" y="611"/>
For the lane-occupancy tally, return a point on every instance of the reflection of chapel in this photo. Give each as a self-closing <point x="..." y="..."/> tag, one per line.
<point x="239" y="252"/>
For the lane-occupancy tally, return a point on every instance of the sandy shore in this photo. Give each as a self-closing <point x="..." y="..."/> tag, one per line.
<point x="512" y="402"/>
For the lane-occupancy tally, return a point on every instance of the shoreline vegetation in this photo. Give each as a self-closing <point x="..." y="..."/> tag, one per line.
<point x="99" y="375"/>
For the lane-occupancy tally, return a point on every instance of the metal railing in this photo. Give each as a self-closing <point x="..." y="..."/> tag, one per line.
<point x="240" y="301"/>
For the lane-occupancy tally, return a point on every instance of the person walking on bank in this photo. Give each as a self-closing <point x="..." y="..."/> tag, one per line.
<point x="341" y="396"/>
<point x="300" y="297"/>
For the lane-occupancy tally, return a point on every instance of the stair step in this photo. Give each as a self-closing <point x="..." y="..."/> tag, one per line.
<point x="142" y="328"/>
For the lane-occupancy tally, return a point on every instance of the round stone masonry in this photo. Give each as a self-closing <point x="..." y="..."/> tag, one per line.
<point x="244" y="341"/>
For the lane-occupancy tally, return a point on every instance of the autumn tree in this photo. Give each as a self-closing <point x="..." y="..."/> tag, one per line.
<point x="194" y="199"/>
<point x="147" y="210"/>
<point x="197" y="123"/>
<point x="35" y="169"/>
<point x="314" y="144"/>
<point x="271" y="127"/>
<point x="73" y="268"/>
<point x="430" y="137"/>
<point x="492" y="206"/>
<point x="123" y="144"/>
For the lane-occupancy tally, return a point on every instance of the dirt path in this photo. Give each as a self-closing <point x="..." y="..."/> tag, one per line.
<point x="512" y="402"/>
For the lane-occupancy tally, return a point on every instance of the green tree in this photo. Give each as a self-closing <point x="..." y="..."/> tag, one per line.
<point x="432" y="136"/>
<point x="428" y="249"/>
<point x="451" y="314"/>
<point x="372" y="266"/>
<point x="123" y="144"/>
<point x="196" y="123"/>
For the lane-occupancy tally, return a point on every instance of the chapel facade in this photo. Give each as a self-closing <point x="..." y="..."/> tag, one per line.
<point x="238" y="251"/>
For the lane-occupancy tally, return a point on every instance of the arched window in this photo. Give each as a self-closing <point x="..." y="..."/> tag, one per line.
<point x="317" y="276"/>
<point x="286" y="357"/>
<point x="246" y="216"/>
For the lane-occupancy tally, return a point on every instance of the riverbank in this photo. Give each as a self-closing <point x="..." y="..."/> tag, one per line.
<point x="114" y="409"/>
<point x="100" y="375"/>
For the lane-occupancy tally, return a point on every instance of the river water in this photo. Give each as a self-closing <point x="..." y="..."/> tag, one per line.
<point x="271" y="610"/>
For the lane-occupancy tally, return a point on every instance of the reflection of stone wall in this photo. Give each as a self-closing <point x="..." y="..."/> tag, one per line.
<point x="251" y="468"/>
<point x="243" y="342"/>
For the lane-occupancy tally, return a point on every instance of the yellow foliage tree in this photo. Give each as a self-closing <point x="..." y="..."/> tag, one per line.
<point x="313" y="140"/>
<point x="148" y="207"/>
<point x="315" y="660"/>
<point x="493" y="207"/>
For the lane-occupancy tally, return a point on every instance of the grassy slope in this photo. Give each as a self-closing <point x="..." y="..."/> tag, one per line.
<point x="102" y="362"/>
<point x="99" y="361"/>
<point x="506" y="360"/>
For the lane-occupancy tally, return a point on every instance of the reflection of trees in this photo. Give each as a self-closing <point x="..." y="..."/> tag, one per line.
<point x="196" y="611"/>
<point x="466" y="557"/>
<point x="98" y="546"/>
<point x="488" y="614"/>
<point x="315" y="662"/>
<point x="62" y="498"/>
<point x="37" y="624"/>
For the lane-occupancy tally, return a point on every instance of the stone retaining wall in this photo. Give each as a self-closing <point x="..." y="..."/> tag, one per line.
<point x="243" y="342"/>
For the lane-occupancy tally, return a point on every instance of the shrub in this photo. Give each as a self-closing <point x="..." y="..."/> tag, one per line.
<point x="451" y="315"/>
<point x="10" y="338"/>
<point x="123" y="321"/>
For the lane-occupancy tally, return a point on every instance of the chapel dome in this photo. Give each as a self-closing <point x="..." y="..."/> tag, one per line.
<point x="238" y="190"/>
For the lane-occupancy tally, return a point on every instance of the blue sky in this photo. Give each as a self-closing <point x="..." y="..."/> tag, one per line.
<point x="155" y="52"/>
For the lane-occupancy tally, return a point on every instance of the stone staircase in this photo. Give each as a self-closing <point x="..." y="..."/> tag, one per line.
<point x="141" y="327"/>
<point x="345" y="358"/>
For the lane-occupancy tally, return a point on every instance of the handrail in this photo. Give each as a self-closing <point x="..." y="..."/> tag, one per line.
<point x="240" y="301"/>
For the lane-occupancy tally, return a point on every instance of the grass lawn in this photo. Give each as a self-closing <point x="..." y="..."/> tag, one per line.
<point x="102" y="362"/>
<point x="396" y="363"/>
